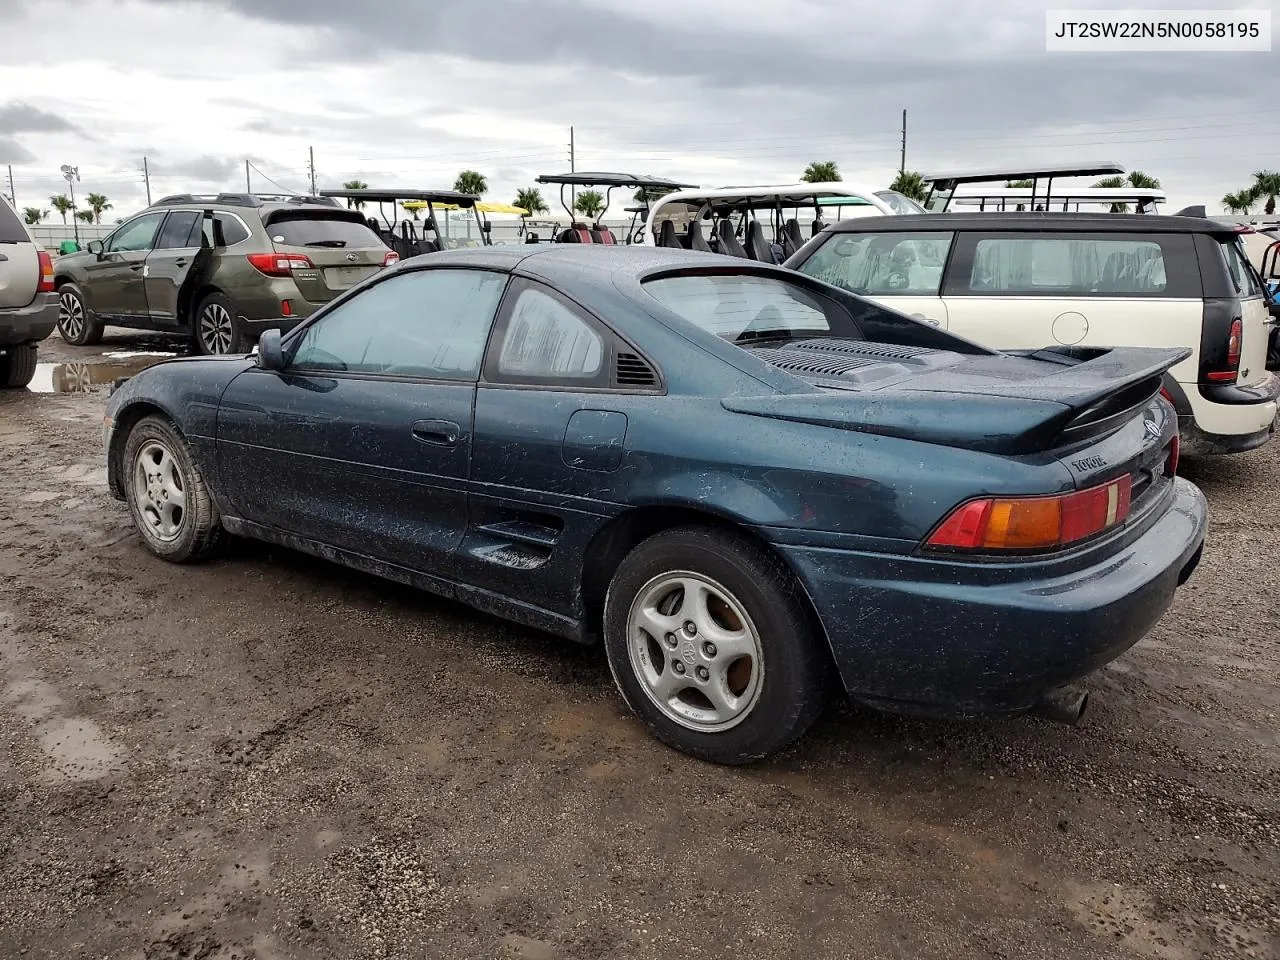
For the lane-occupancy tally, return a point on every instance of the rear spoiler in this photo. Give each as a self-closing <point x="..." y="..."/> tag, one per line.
<point x="1095" y="392"/>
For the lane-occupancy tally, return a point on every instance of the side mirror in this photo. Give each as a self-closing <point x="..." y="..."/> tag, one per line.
<point x="95" y="247"/>
<point x="270" y="352"/>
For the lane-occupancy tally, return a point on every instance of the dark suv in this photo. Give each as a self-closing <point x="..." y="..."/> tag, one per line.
<point x="220" y="269"/>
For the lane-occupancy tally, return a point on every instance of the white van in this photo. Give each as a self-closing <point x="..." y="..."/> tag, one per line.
<point x="1021" y="281"/>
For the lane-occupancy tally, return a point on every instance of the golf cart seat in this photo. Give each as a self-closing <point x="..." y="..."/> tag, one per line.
<point x="792" y="238"/>
<point x="602" y="234"/>
<point x="757" y="248"/>
<point x="575" y="233"/>
<point x="667" y="236"/>
<point x="817" y="228"/>
<point x="728" y="242"/>
<point x="696" y="240"/>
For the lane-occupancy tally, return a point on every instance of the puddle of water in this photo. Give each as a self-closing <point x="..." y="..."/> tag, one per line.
<point x="90" y="375"/>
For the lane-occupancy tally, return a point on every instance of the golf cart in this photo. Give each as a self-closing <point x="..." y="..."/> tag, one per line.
<point x="734" y="215"/>
<point x="578" y="232"/>
<point x="411" y="237"/>
<point x="1040" y="196"/>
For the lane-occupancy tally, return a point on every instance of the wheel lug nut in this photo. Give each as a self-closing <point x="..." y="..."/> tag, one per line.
<point x="677" y="666"/>
<point x="691" y="628"/>
<point x="671" y="640"/>
<point x="703" y="673"/>
<point x="709" y="649"/>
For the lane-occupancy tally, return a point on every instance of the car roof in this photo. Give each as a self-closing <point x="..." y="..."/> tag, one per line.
<point x="1032" y="223"/>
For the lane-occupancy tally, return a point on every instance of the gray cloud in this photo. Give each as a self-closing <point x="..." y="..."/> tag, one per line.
<point x="11" y="151"/>
<point x="205" y="169"/>
<point x="18" y="116"/>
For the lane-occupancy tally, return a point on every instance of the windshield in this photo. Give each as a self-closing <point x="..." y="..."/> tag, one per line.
<point x="743" y="307"/>
<point x="322" y="232"/>
<point x="899" y="202"/>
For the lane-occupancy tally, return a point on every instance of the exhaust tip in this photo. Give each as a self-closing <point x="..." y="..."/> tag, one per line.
<point x="1064" y="705"/>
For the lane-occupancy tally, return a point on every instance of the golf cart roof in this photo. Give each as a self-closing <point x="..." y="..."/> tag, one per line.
<point x="1095" y="169"/>
<point x="391" y="196"/>
<point x="613" y="180"/>
<point x="768" y="196"/>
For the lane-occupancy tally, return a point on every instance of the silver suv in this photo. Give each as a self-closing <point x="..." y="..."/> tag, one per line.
<point x="28" y="306"/>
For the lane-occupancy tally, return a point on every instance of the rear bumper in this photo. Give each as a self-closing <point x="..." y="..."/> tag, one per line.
<point x="1200" y="443"/>
<point x="945" y="637"/>
<point x="32" y="322"/>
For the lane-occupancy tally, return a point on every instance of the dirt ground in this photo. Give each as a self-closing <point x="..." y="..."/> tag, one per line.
<point x="268" y="757"/>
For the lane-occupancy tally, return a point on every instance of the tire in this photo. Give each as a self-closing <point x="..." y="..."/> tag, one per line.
<point x="764" y="671"/>
<point x="18" y="365"/>
<point x="76" y="323"/>
<point x="158" y="471"/>
<point x="218" y="328"/>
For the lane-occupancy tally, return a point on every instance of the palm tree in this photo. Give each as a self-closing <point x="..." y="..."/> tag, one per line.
<point x="33" y="215"/>
<point x="1020" y="184"/>
<point x="650" y="194"/>
<point x="590" y="203"/>
<point x="1239" y="202"/>
<point x="471" y="182"/>
<point x="62" y="203"/>
<point x="821" y="171"/>
<point x="1143" y="181"/>
<point x="1114" y="183"/>
<point x="97" y="203"/>
<point x="1266" y="183"/>
<point x="355" y="185"/>
<point x="531" y="200"/>
<point x="911" y="184"/>
<point x="84" y="216"/>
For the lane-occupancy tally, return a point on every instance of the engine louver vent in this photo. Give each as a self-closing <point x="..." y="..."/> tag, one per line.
<point x="812" y="362"/>
<point x="863" y="348"/>
<point x="632" y="371"/>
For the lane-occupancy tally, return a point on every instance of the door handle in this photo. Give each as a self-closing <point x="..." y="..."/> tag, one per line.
<point x="441" y="433"/>
<point x="180" y="262"/>
<point x="135" y="266"/>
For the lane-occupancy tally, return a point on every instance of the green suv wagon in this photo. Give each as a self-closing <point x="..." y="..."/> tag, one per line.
<point x="219" y="269"/>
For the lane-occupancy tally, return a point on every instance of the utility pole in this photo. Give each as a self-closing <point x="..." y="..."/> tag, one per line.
<point x="247" y="187"/>
<point x="146" y="179"/>
<point x="311" y="153"/>
<point x="573" y="190"/>
<point x="902" y="161"/>
<point x="13" y="194"/>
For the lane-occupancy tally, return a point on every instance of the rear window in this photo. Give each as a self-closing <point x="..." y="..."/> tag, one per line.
<point x="322" y="232"/>
<point x="740" y="307"/>
<point x="882" y="264"/>
<point x="11" y="229"/>
<point x="1062" y="265"/>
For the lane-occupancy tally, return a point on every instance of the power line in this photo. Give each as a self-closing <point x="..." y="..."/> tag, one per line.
<point x="259" y="172"/>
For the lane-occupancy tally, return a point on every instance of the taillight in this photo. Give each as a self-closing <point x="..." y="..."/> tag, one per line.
<point x="1234" y="336"/>
<point x="45" y="284"/>
<point x="391" y="258"/>
<point x="278" y="264"/>
<point x="1034" y="523"/>
<point x="1175" y="450"/>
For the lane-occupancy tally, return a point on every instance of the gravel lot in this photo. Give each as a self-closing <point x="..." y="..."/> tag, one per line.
<point x="268" y="756"/>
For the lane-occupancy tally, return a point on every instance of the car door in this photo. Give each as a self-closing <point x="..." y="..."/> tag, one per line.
<point x="113" y="280"/>
<point x="363" y="440"/>
<point x="1026" y="290"/>
<point x="902" y="270"/>
<point x="551" y="425"/>
<point x="176" y="249"/>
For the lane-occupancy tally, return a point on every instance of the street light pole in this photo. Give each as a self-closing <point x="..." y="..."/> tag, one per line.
<point x="73" y="174"/>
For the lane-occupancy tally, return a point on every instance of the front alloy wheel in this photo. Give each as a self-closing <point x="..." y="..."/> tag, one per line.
<point x="159" y="492"/>
<point x="172" y="506"/>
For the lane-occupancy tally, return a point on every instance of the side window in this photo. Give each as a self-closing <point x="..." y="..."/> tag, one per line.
<point x="1068" y="266"/>
<point x="1240" y="270"/>
<point x="177" y="229"/>
<point x="882" y="264"/>
<point x="135" y="235"/>
<point x="546" y="340"/>
<point x="231" y="231"/>
<point x="429" y="323"/>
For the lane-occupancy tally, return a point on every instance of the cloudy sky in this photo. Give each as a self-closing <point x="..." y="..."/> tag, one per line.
<point x="712" y="91"/>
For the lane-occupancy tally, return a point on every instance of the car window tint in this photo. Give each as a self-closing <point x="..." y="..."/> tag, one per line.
<point x="177" y="230"/>
<point x="1239" y="268"/>
<point x="136" y="234"/>
<point x="429" y="323"/>
<point x="232" y="231"/>
<point x="11" y="230"/>
<point x="882" y="263"/>
<point x="544" y="338"/>
<point x="1061" y="265"/>
<point x="322" y="232"/>
<point x="742" y="306"/>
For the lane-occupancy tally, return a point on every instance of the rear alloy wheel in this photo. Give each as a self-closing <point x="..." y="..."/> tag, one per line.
<point x="218" y="328"/>
<point x="710" y="643"/>
<point x="75" y="324"/>
<point x="17" y="365"/>
<point x="167" y="496"/>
